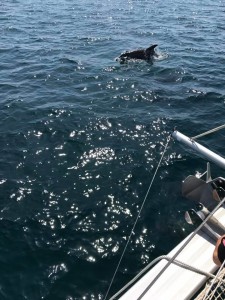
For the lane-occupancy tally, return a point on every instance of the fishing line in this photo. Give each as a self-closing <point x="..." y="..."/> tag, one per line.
<point x="139" y="213"/>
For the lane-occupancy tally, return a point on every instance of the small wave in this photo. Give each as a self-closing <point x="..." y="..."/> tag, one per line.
<point x="66" y="60"/>
<point x="161" y="56"/>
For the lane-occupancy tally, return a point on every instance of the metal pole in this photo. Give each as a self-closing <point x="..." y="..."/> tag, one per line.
<point x="220" y="161"/>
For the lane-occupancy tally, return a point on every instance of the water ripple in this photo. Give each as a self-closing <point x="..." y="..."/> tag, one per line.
<point x="81" y="136"/>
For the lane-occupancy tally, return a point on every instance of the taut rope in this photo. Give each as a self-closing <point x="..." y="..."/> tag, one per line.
<point x="208" y="132"/>
<point x="139" y="213"/>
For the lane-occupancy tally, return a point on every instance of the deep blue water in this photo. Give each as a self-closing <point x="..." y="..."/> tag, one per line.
<point x="81" y="136"/>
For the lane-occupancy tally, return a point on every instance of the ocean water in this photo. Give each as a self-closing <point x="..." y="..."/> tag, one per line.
<point x="82" y="135"/>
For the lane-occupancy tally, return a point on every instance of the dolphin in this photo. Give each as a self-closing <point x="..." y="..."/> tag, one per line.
<point x="144" y="54"/>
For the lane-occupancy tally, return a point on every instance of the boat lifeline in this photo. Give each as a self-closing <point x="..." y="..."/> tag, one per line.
<point x="188" y="271"/>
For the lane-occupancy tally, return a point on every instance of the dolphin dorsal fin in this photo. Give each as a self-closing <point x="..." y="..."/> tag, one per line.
<point x="151" y="49"/>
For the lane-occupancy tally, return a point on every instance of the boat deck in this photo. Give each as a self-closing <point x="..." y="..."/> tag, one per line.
<point x="178" y="283"/>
